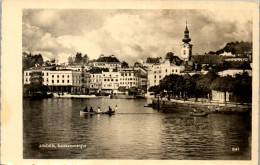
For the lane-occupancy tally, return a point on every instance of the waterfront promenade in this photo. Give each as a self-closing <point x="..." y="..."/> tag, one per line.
<point x="204" y="104"/>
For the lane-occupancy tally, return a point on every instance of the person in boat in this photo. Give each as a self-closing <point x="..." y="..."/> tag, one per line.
<point x="91" y="109"/>
<point x="98" y="110"/>
<point x="109" y="109"/>
<point x="86" y="109"/>
<point x="194" y="110"/>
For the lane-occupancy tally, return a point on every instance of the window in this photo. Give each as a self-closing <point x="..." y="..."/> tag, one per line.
<point x="68" y="81"/>
<point x="62" y="76"/>
<point x="160" y="76"/>
<point x="57" y="81"/>
<point x="159" y="71"/>
<point x="154" y="76"/>
<point x="52" y="76"/>
<point x="166" y="70"/>
<point x="173" y="70"/>
<point x="47" y="80"/>
<point x="130" y="78"/>
<point x="68" y="76"/>
<point x="26" y="74"/>
<point x="52" y="81"/>
<point x="184" y="52"/>
<point x="62" y="81"/>
<point x="154" y="81"/>
<point x="154" y="71"/>
<point x="176" y="70"/>
<point x="105" y="79"/>
<point x="108" y="79"/>
<point x="116" y="79"/>
<point x="112" y="80"/>
<point x="47" y="74"/>
<point x="26" y="79"/>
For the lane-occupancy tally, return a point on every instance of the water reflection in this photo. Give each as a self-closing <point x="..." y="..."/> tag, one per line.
<point x="135" y="132"/>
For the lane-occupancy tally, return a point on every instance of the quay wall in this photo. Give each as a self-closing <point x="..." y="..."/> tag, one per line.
<point x="180" y="106"/>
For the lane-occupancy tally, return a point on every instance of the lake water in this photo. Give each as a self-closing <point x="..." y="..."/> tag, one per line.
<point x="54" y="129"/>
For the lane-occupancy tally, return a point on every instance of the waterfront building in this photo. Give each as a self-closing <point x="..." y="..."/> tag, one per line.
<point x="64" y="80"/>
<point x="107" y="62"/>
<point x="159" y="71"/>
<point x="95" y="81"/>
<point x="36" y="74"/>
<point x="110" y="81"/>
<point x="128" y="78"/>
<point x="133" y="77"/>
<point x="218" y="96"/>
<point x="58" y="80"/>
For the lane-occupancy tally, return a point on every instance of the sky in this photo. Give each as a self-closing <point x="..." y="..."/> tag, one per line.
<point x="130" y="35"/>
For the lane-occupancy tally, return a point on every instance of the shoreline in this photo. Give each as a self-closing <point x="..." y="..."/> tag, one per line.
<point x="179" y="106"/>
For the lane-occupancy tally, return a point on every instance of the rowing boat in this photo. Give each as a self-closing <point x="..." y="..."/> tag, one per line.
<point x="96" y="113"/>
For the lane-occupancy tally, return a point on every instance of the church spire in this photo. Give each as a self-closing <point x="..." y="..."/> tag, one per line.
<point x="186" y="38"/>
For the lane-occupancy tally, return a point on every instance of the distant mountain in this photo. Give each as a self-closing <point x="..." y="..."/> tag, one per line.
<point x="235" y="48"/>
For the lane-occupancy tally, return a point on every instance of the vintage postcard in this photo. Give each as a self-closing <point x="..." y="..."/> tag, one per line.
<point x="129" y="82"/>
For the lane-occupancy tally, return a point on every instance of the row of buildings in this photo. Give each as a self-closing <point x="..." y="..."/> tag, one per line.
<point x="81" y="80"/>
<point x="106" y="74"/>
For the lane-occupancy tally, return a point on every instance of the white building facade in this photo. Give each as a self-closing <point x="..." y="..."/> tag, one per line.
<point x="159" y="71"/>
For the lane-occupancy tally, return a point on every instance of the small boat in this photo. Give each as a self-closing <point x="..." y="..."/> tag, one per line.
<point x="198" y="114"/>
<point x="96" y="113"/>
<point x="87" y="113"/>
<point x="148" y="105"/>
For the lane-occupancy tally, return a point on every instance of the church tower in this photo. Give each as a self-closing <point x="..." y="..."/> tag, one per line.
<point x="186" y="47"/>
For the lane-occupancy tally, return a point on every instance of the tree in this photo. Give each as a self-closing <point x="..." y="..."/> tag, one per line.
<point x="223" y="84"/>
<point x="124" y="64"/>
<point x="30" y="60"/>
<point x="137" y="64"/>
<point x="154" y="89"/>
<point x="78" y="58"/>
<point x="204" y="82"/>
<point x="85" y="59"/>
<point x="70" y="61"/>
<point x="169" y="56"/>
<point x="243" y="87"/>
